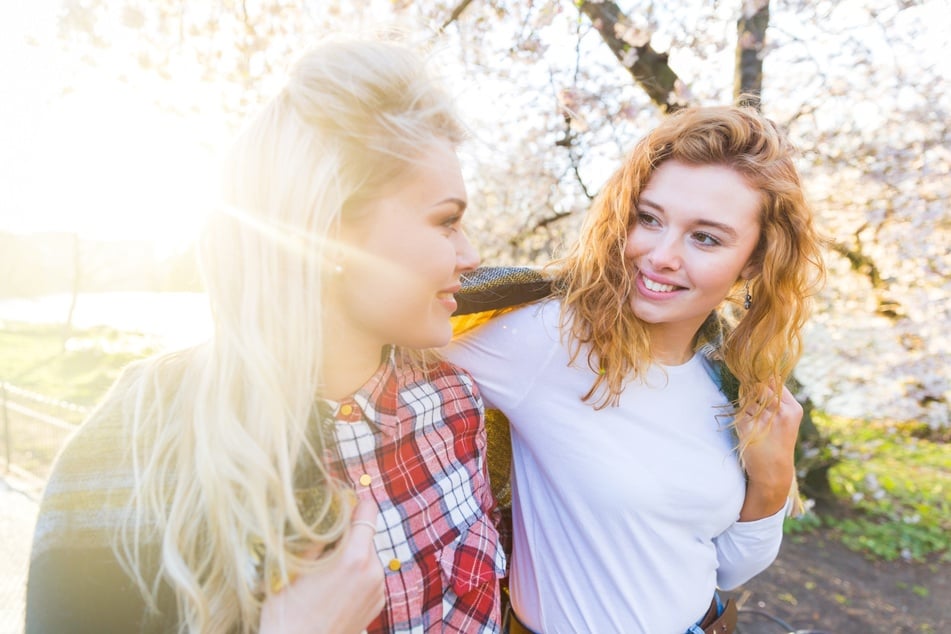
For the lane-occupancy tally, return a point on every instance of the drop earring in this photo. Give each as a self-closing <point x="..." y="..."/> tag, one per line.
<point x="748" y="300"/>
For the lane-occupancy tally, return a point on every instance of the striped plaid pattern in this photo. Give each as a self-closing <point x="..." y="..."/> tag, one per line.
<point x="419" y="437"/>
<point x="415" y="443"/>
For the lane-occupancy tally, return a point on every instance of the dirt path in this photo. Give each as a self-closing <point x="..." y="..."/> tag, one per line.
<point x="818" y="584"/>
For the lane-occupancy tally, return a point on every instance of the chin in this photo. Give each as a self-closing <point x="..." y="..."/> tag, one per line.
<point x="442" y="341"/>
<point x="646" y="316"/>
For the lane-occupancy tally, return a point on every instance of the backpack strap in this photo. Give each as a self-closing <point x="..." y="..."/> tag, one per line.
<point x="728" y="384"/>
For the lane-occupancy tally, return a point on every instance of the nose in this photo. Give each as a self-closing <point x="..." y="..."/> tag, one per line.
<point x="666" y="253"/>
<point x="467" y="257"/>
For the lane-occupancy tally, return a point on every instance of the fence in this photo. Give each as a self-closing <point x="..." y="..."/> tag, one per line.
<point x="33" y="427"/>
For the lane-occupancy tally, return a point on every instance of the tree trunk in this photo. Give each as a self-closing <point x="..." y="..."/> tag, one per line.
<point x="750" y="44"/>
<point x="813" y="455"/>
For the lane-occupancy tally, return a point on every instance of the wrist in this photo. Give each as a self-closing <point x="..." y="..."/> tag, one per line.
<point x="763" y="500"/>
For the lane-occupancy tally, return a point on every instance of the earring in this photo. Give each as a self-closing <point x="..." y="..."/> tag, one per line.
<point x="748" y="301"/>
<point x="338" y="269"/>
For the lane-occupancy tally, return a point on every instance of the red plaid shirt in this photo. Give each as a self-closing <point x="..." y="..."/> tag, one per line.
<point x="416" y="443"/>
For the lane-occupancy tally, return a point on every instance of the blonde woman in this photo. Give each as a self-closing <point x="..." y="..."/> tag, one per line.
<point x="308" y="469"/>
<point x="636" y="492"/>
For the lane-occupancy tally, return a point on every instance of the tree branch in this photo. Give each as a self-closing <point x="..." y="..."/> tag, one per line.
<point x="462" y="6"/>
<point x="648" y="67"/>
<point x="864" y="265"/>
<point x="518" y="239"/>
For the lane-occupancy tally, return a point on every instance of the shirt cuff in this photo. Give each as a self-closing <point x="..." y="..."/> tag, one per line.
<point x="766" y="523"/>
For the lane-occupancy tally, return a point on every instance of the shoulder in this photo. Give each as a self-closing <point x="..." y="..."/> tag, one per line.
<point x="98" y="438"/>
<point x="148" y="383"/>
<point x="90" y="472"/>
<point x="435" y="374"/>
<point x="439" y="387"/>
<point x="719" y="373"/>
<point x="97" y="457"/>
<point x="443" y="372"/>
<point x="519" y="326"/>
<point x="93" y="477"/>
<point x="510" y="346"/>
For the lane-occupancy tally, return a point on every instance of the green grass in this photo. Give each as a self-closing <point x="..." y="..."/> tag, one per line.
<point x="79" y="369"/>
<point x="896" y="485"/>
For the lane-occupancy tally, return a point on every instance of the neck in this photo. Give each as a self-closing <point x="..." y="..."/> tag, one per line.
<point x="349" y="360"/>
<point x="671" y="345"/>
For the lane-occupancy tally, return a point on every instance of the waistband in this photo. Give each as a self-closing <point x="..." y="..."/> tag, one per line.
<point x="719" y="619"/>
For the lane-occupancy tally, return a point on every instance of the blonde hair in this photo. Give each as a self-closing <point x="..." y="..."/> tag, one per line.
<point x="221" y="435"/>
<point x="765" y="343"/>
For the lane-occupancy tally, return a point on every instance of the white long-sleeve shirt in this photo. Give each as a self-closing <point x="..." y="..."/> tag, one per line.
<point x="626" y="519"/>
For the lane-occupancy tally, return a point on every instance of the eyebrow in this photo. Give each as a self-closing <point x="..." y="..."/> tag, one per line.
<point x="725" y="228"/>
<point x="458" y="202"/>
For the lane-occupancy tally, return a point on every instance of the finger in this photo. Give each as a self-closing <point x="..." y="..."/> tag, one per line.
<point x="363" y="520"/>
<point x="787" y="396"/>
<point x="314" y="551"/>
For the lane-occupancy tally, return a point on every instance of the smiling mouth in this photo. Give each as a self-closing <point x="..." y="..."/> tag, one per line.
<point x="657" y="287"/>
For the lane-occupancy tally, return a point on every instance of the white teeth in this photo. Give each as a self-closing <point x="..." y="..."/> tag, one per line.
<point x="657" y="286"/>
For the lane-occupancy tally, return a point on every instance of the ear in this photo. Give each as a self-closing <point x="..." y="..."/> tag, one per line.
<point x="751" y="270"/>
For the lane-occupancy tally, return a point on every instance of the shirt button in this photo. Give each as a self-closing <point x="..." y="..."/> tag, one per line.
<point x="395" y="564"/>
<point x="346" y="410"/>
<point x="365" y="479"/>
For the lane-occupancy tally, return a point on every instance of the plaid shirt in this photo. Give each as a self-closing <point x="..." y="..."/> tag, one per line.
<point x="415" y="442"/>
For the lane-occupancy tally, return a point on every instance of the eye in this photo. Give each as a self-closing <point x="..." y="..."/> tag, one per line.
<point x="647" y="219"/>
<point x="706" y="239"/>
<point x="452" y="221"/>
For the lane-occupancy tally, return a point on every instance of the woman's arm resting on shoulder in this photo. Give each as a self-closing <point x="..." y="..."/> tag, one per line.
<point x="341" y="599"/>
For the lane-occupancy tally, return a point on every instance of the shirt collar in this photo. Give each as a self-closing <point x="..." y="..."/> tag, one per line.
<point x="378" y="398"/>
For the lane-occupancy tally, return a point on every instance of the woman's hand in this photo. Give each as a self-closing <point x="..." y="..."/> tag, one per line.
<point x="342" y="598"/>
<point x="769" y="457"/>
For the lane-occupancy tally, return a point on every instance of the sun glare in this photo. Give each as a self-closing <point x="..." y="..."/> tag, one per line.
<point x="85" y="153"/>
